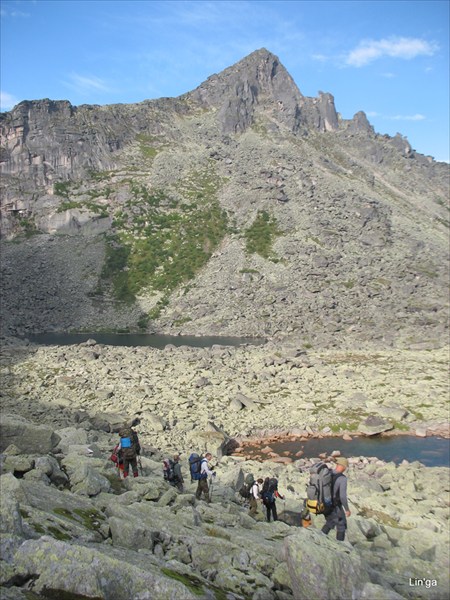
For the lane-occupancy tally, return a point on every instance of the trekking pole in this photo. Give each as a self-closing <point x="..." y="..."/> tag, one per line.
<point x="210" y="488"/>
<point x="140" y="465"/>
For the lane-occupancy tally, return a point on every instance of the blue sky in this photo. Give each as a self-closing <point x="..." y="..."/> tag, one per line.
<point x="387" y="58"/>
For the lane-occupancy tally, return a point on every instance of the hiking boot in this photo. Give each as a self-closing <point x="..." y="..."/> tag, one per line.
<point x="136" y="474"/>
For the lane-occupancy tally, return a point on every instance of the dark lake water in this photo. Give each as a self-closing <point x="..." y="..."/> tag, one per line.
<point x="141" y="339"/>
<point x="431" y="451"/>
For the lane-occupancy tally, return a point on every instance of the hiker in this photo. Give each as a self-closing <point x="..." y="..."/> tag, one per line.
<point x="205" y="472"/>
<point x="172" y="472"/>
<point x="254" y="497"/>
<point x="178" y="477"/>
<point x="130" y="447"/>
<point x="336" y="516"/>
<point x="269" y="495"/>
<point x="117" y="459"/>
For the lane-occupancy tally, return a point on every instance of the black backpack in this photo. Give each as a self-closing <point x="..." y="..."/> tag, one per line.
<point x="245" y="489"/>
<point x="268" y="494"/>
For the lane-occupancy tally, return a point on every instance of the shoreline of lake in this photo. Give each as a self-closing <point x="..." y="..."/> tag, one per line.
<point x="152" y="340"/>
<point x="433" y="450"/>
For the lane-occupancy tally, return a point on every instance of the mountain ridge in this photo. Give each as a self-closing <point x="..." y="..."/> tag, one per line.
<point x="318" y="226"/>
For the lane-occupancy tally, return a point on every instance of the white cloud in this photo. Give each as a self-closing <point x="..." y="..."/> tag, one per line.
<point x="85" y="84"/>
<point x="320" y="57"/>
<point x="395" y="47"/>
<point x="14" y="14"/>
<point x="7" y="101"/>
<point x="416" y="117"/>
<point x="19" y="14"/>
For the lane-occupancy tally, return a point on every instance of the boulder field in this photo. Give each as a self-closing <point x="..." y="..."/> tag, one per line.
<point x="71" y="528"/>
<point x="182" y="392"/>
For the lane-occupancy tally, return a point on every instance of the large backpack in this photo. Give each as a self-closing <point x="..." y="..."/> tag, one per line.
<point x="195" y="467"/>
<point x="128" y="442"/>
<point x="268" y="495"/>
<point x="248" y="483"/>
<point x="319" y="491"/>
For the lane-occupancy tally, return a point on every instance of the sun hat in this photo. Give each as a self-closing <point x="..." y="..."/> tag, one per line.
<point x="342" y="461"/>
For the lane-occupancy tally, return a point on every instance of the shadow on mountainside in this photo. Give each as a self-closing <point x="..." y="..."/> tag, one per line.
<point x="48" y="283"/>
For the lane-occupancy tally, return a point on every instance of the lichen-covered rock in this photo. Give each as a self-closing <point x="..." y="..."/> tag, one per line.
<point x="322" y="568"/>
<point x="71" y="436"/>
<point x="63" y="568"/>
<point x="28" y="437"/>
<point x="10" y="518"/>
<point x="374" y="425"/>
<point x="373" y="591"/>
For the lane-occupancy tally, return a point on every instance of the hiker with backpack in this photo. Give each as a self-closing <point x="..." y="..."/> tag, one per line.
<point x="254" y="497"/>
<point x="269" y="495"/>
<point x="130" y="447"/>
<point x="172" y="472"/>
<point x="336" y="515"/>
<point x="200" y="472"/>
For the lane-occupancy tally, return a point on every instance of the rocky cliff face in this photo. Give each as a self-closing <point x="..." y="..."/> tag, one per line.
<point x="242" y="207"/>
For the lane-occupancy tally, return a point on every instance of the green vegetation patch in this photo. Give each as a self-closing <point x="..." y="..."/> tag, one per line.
<point x="260" y="236"/>
<point x="58" y="534"/>
<point x="194" y="584"/>
<point x="89" y="518"/>
<point x="98" y="209"/>
<point x="100" y="175"/>
<point x="162" y="240"/>
<point x="147" y="145"/>
<point x="61" y="188"/>
<point x="29" y="226"/>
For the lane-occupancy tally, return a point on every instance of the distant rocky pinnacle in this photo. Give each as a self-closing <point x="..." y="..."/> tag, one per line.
<point x="157" y="208"/>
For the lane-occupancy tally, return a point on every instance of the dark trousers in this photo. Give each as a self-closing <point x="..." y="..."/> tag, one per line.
<point x="126" y="466"/>
<point x="271" y="509"/>
<point x="202" y="488"/>
<point x="177" y="484"/>
<point x="336" y="519"/>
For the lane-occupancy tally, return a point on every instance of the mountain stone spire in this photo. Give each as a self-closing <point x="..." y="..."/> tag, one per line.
<point x="260" y="84"/>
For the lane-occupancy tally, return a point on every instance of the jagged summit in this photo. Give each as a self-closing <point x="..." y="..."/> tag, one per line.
<point x="263" y="73"/>
<point x="257" y="82"/>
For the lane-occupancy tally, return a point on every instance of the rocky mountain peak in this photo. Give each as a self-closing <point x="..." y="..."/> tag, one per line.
<point x="257" y="83"/>
<point x="353" y="225"/>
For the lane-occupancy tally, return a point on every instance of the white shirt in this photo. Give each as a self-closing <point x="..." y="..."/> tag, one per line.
<point x="204" y="468"/>
<point x="254" y="490"/>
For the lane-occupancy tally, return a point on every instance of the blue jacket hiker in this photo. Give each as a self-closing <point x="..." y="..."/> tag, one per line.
<point x="130" y="447"/>
<point x="205" y="472"/>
